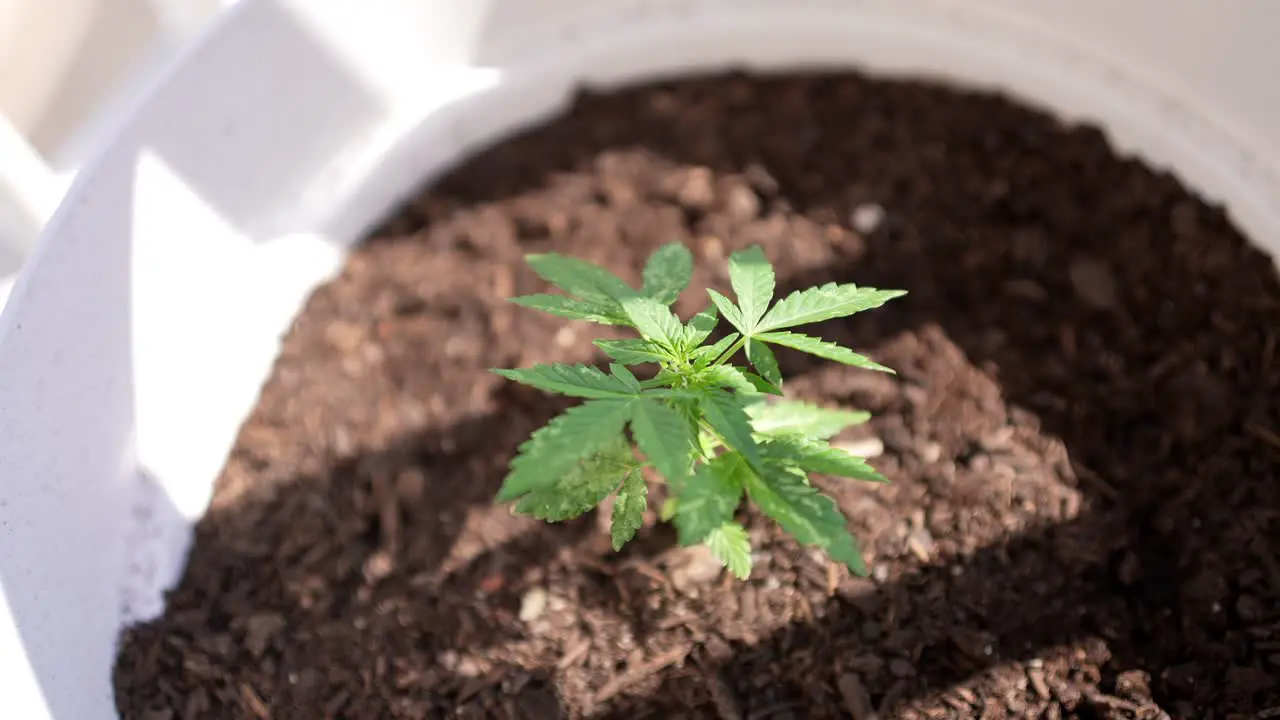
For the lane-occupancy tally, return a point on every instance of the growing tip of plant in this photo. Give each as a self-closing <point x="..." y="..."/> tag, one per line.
<point x="700" y="421"/>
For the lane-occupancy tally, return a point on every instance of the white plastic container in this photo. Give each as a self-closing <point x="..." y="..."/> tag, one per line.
<point x="66" y="67"/>
<point x="293" y="125"/>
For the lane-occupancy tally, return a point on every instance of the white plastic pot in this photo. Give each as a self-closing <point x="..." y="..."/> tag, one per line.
<point x="127" y="360"/>
<point x="66" y="67"/>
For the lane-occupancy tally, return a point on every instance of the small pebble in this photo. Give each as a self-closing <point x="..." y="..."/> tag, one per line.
<point x="867" y="218"/>
<point x="694" y="189"/>
<point x="533" y="604"/>
<point x="378" y="566"/>
<point x="344" y="336"/>
<point x="920" y="542"/>
<point x="566" y="336"/>
<point x="695" y="566"/>
<point x="931" y="452"/>
<point x="741" y="203"/>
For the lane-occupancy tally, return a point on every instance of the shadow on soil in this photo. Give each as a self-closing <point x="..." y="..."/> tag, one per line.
<point x="1172" y="560"/>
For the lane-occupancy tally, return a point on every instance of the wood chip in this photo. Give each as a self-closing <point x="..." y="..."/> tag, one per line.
<point x="857" y="701"/>
<point x="1263" y="434"/>
<point x="575" y="654"/>
<point x="254" y="702"/>
<point x="640" y="672"/>
<point x="1036" y="676"/>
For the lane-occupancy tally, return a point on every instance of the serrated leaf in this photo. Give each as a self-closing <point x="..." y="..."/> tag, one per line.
<point x="556" y="448"/>
<point x="664" y="436"/>
<point x="807" y="419"/>
<point x="725" y="414"/>
<point x="708" y="354"/>
<point x="579" y="277"/>
<point x="579" y="380"/>
<point x="574" y="309"/>
<point x="730" y="545"/>
<point x="667" y="272"/>
<point x="710" y="497"/>
<point x="728" y="310"/>
<point x="687" y="408"/>
<point x="752" y="279"/>
<point x="825" y="302"/>
<point x="632" y="351"/>
<point x="699" y="327"/>
<point x="655" y="321"/>
<point x="628" y="509"/>
<point x="763" y="361"/>
<point x="664" y="378"/>
<point x="763" y="386"/>
<point x="807" y="514"/>
<point x="727" y="376"/>
<point x="585" y="486"/>
<point x="822" y="348"/>
<point x="623" y="374"/>
<point x="818" y="457"/>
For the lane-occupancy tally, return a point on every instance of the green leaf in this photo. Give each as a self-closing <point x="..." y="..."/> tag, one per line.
<point x="763" y="386"/>
<point x="824" y="303"/>
<point x="753" y="282"/>
<point x="628" y="509"/>
<point x="654" y="320"/>
<point x="763" y="361"/>
<point x="578" y="380"/>
<point x="822" y="348"/>
<point x="667" y="272"/>
<point x="725" y="414"/>
<point x="633" y="351"/>
<point x="664" y="437"/>
<point x="728" y="310"/>
<point x="573" y="309"/>
<point x="623" y="374"/>
<point x="699" y="327"/>
<point x="555" y="449"/>
<point x="730" y="545"/>
<point x="663" y="379"/>
<point x="726" y="376"/>
<point x="585" y="486"/>
<point x="818" y="457"/>
<point x="688" y="410"/>
<point x="710" y="497"/>
<point x="579" y="277"/>
<point x="807" y="419"/>
<point x="810" y="516"/>
<point x="708" y="354"/>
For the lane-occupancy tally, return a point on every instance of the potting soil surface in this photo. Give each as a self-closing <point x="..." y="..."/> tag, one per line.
<point x="1083" y="439"/>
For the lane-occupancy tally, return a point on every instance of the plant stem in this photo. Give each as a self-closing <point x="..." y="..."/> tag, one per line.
<point x="707" y="426"/>
<point x="729" y="353"/>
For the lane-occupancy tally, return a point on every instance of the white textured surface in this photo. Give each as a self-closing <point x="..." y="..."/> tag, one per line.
<point x="127" y="364"/>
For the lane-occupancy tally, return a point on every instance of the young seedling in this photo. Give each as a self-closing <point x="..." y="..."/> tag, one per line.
<point x="703" y="424"/>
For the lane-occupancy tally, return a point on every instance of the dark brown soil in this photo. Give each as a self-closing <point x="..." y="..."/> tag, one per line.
<point x="1084" y="440"/>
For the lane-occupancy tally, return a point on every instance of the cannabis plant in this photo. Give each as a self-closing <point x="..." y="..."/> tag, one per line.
<point x="706" y="426"/>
